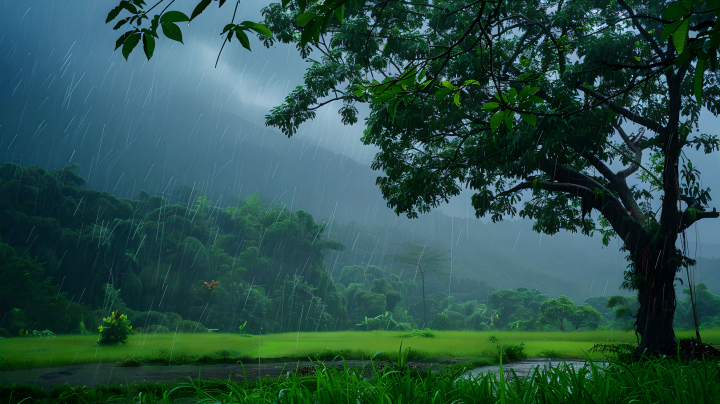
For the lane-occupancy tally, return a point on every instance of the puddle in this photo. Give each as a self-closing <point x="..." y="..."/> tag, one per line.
<point x="526" y="367"/>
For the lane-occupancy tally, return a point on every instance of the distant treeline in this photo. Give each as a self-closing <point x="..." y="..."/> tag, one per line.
<point x="70" y="255"/>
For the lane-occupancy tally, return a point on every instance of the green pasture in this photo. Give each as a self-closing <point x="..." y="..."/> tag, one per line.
<point x="17" y="353"/>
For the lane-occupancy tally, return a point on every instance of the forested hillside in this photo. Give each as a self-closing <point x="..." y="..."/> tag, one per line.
<point x="71" y="255"/>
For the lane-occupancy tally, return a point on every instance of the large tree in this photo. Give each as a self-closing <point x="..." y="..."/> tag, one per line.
<point x="527" y="103"/>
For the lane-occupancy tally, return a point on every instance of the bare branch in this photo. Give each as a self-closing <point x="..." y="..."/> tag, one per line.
<point x="638" y="155"/>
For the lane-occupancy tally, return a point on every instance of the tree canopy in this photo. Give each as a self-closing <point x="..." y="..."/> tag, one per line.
<point x="527" y="103"/>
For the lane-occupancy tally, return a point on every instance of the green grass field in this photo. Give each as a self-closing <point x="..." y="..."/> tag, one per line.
<point x="18" y="353"/>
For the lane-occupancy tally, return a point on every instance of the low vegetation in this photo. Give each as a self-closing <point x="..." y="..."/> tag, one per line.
<point x="647" y="381"/>
<point x="163" y="349"/>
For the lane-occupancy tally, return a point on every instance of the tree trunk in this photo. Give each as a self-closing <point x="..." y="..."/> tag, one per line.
<point x="656" y="268"/>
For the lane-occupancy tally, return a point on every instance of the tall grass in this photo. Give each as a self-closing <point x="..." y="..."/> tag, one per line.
<point x="654" y="381"/>
<point x="17" y="353"/>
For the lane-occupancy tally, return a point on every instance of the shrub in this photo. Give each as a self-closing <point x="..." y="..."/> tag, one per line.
<point x="131" y="362"/>
<point x="551" y="353"/>
<point x="508" y="352"/>
<point x="418" y="334"/>
<point x="45" y="334"/>
<point x="156" y="329"/>
<point x="189" y="326"/>
<point x="115" y="329"/>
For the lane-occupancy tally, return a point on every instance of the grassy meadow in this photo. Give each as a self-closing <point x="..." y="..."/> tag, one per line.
<point x="18" y="353"/>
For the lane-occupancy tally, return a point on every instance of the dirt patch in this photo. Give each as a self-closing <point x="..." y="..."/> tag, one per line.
<point x="110" y="373"/>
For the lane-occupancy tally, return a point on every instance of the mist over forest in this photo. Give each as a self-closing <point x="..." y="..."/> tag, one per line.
<point x="136" y="185"/>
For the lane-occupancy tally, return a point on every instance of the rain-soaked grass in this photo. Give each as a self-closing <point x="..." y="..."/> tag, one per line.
<point x="17" y="353"/>
<point x="650" y="381"/>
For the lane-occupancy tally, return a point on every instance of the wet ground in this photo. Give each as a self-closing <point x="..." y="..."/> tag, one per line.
<point x="110" y="373"/>
<point x="526" y="367"/>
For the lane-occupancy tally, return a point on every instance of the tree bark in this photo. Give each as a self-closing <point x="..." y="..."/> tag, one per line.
<point x="656" y="269"/>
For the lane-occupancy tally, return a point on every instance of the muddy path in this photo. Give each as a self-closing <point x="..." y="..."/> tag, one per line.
<point x="110" y="373"/>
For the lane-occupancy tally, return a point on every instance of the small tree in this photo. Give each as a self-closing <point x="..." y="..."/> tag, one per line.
<point x="585" y="316"/>
<point x="115" y="329"/>
<point x="554" y="311"/>
<point x="426" y="261"/>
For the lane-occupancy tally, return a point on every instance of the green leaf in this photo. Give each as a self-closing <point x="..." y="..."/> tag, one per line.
<point x="121" y="23"/>
<point x="456" y="99"/>
<point x="470" y="82"/>
<point x="679" y="36"/>
<point x="530" y="119"/>
<point x="128" y="6"/>
<point x="154" y="24"/>
<point x="310" y="31"/>
<point x="302" y="4"/>
<point x="172" y="31"/>
<point x="382" y="98"/>
<point x="174" y="16"/>
<point x="448" y="84"/>
<point x="201" y="6"/>
<point x="304" y="18"/>
<point x="130" y="44"/>
<point x="496" y="120"/>
<point x="148" y="45"/>
<point x="509" y="115"/>
<point x="528" y="91"/>
<point x="113" y="14"/>
<point x="668" y="30"/>
<point x="537" y="100"/>
<point x="259" y="28"/>
<point x="228" y="28"/>
<point x="243" y="38"/>
<point x="119" y="42"/>
<point x="697" y="85"/>
<point x="674" y="13"/>
<point x="340" y="12"/>
<point x="490" y="106"/>
<point x="442" y="93"/>
<point x="392" y="109"/>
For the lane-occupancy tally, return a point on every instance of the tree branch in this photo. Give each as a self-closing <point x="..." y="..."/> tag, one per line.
<point x="642" y="30"/>
<point x="640" y="120"/>
<point x="687" y="219"/>
<point x="635" y="165"/>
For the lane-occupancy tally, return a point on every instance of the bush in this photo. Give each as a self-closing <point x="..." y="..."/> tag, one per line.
<point x="508" y="352"/>
<point x="148" y="318"/>
<point x="551" y="353"/>
<point x="156" y="329"/>
<point x="45" y="334"/>
<point x="131" y="362"/>
<point x="188" y="326"/>
<point x="115" y="329"/>
<point x="418" y="334"/>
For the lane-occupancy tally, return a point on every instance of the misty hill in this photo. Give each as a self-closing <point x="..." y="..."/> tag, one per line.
<point x="162" y="141"/>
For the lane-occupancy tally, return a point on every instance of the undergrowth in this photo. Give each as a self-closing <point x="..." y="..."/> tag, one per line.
<point x="650" y="381"/>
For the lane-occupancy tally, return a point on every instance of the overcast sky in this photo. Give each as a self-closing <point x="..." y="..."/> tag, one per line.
<point x="58" y="68"/>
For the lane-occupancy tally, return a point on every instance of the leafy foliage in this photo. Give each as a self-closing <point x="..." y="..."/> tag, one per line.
<point x="115" y="329"/>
